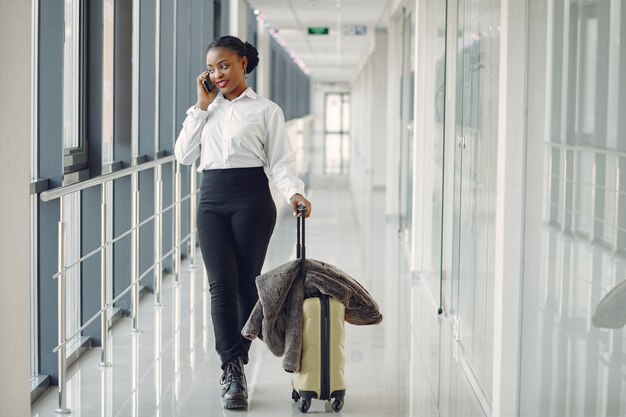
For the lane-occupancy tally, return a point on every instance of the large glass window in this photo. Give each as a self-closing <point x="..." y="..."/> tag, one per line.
<point x="336" y="133"/>
<point x="74" y="149"/>
<point x="286" y="78"/>
<point x="84" y="55"/>
<point x="573" y="343"/>
<point x="74" y="141"/>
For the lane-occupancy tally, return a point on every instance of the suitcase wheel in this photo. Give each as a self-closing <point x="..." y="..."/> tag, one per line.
<point x="337" y="404"/>
<point x="295" y="396"/>
<point x="305" y="404"/>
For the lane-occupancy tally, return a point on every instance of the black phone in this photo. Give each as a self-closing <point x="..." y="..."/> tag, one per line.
<point x="208" y="86"/>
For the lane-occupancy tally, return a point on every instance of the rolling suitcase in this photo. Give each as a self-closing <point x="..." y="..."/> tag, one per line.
<point x="321" y="374"/>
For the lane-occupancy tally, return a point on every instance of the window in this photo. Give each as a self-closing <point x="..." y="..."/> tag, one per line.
<point x="337" y="133"/>
<point x="74" y="142"/>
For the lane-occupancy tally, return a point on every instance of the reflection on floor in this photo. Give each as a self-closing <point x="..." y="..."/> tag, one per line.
<point x="403" y="367"/>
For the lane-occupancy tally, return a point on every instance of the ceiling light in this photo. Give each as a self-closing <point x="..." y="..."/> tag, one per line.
<point x="256" y="12"/>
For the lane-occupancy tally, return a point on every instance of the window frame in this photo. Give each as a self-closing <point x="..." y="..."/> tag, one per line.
<point x="75" y="159"/>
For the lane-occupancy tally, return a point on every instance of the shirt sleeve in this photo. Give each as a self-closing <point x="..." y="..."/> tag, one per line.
<point x="280" y="157"/>
<point x="187" y="148"/>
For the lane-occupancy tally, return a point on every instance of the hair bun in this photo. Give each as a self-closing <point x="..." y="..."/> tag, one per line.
<point x="253" y="56"/>
<point x="238" y="46"/>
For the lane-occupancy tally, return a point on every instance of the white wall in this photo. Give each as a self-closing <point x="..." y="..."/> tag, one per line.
<point x="379" y="121"/>
<point x="369" y="136"/>
<point x="394" y="75"/>
<point x="15" y="48"/>
<point x="368" y="128"/>
<point x="361" y="135"/>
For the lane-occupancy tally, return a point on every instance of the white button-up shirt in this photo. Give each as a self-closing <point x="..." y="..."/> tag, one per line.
<point x="248" y="131"/>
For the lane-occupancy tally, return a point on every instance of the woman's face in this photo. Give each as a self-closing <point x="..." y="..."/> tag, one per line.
<point x="227" y="71"/>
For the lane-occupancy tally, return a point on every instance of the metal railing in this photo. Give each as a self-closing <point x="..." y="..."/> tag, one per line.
<point x="106" y="301"/>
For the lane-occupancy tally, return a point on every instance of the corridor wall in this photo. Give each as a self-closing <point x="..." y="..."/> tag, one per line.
<point x="519" y="231"/>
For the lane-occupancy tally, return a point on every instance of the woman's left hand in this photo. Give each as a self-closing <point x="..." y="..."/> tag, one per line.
<point x="298" y="199"/>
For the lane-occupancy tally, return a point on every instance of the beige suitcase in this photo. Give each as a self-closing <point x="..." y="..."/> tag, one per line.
<point x="321" y="373"/>
<point x="323" y="357"/>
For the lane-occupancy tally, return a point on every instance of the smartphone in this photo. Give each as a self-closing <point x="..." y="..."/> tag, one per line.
<point x="208" y="86"/>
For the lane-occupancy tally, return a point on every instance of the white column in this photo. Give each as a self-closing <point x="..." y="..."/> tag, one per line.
<point x="15" y="111"/>
<point x="421" y="227"/>
<point x="264" y="67"/>
<point x="238" y="18"/>
<point x="510" y="208"/>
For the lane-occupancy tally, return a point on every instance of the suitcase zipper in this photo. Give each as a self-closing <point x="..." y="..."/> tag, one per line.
<point x="325" y="374"/>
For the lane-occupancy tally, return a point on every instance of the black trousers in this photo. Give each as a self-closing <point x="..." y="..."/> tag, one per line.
<point x="236" y="218"/>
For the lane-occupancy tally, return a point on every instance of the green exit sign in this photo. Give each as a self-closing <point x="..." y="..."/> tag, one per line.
<point x="318" y="31"/>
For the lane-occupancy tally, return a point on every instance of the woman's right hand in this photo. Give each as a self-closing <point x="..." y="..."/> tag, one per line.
<point x="204" y="98"/>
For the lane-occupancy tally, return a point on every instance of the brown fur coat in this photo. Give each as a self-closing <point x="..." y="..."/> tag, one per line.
<point x="277" y="316"/>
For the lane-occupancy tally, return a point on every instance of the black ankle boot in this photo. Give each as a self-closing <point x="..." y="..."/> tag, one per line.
<point x="234" y="385"/>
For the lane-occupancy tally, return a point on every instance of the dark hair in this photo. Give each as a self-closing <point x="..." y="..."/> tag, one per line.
<point x="241" y="48"/>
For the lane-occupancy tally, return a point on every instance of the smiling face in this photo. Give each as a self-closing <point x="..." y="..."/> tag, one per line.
<point x="227" y="71"/>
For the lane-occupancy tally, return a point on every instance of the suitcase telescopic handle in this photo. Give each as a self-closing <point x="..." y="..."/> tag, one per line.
<point x="300" y="247"/>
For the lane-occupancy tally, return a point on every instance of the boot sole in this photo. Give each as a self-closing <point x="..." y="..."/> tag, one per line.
<point x="232" y="404"/>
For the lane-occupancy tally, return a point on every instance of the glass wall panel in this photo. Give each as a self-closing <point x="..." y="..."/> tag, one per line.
<point x="429" y="141"/>
<point x="430" y="138"/>
<point x="477" y="76"/>
<point x="574" y="288"/>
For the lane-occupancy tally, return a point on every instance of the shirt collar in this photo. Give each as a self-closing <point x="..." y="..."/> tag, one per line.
<point x="247" y="92"/>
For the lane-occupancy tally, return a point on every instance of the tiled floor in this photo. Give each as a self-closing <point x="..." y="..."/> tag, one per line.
<point x="403" y="367"/>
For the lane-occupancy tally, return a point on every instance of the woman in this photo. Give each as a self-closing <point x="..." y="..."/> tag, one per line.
<point x="238" y="136"/>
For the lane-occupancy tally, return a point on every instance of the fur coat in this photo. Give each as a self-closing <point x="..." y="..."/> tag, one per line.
<point x="277" y="316"/>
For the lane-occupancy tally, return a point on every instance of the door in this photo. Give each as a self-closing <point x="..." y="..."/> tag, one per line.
<point x="475" y="188"/>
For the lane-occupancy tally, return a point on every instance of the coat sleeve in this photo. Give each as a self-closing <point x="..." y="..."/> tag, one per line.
<point x="252" y="329"/>
<point x="293" y="330"/>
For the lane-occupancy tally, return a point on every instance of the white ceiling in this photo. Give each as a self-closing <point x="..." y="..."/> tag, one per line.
<point x="332" y="57"/>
